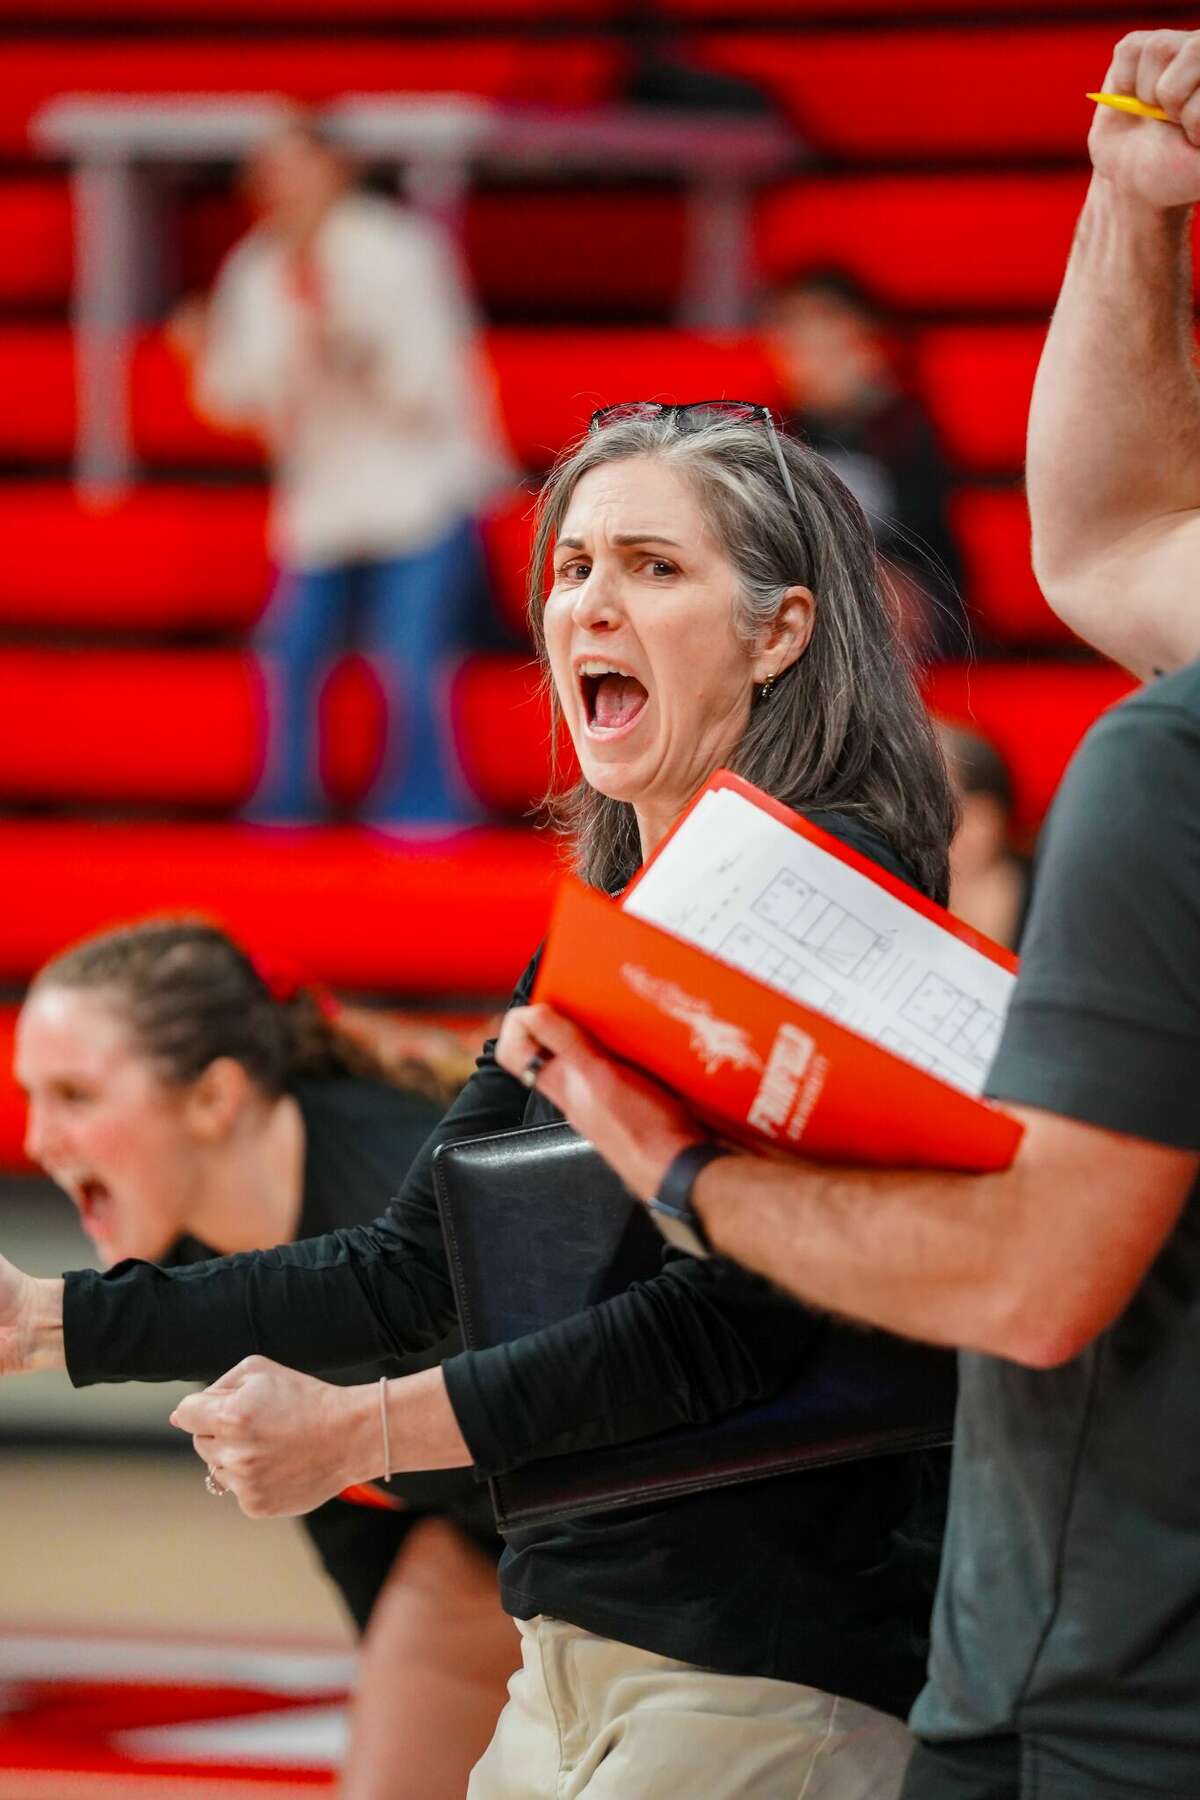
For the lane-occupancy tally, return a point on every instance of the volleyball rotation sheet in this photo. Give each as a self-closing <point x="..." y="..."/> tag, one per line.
<point x="758" y="894"/>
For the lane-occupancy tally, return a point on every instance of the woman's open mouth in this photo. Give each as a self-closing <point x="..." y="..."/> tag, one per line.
<point x="613" y="699"/>
<point x="94" y="1200"/>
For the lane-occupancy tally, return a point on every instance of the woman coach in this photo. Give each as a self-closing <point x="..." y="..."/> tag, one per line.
<point x="715" y="598"/>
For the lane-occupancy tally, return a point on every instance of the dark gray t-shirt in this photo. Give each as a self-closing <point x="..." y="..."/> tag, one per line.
<point x="1069" y="1606"/>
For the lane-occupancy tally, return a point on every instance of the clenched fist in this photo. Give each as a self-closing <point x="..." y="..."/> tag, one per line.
<point x="1152" y="161"/>
<point x="282" y="1442"/>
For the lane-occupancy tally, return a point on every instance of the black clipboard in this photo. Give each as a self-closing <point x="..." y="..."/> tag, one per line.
<point x="538" y="1227"/>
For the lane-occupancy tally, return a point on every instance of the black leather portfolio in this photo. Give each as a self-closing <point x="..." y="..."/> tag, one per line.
<point x="538" y="1227"/>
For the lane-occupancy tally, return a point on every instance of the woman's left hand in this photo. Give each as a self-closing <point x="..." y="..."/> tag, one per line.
<point x="282" y="1442"/>
<point x="636" y="1125"/>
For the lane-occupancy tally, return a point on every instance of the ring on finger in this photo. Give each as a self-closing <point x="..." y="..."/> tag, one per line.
<point x="214" y="1486"/>
<point x="534" y="1067"/>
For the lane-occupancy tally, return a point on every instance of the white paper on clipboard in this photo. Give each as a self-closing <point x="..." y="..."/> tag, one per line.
<point x="739" y="883"/>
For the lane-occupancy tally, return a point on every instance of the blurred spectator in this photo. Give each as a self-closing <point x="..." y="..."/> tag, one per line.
<point x="989" y="882"/>
<point x="340" y="328"/>
<point x="829" y="343"/>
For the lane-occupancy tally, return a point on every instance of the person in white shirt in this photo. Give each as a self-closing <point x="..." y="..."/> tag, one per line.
<point x="339" y="327"/>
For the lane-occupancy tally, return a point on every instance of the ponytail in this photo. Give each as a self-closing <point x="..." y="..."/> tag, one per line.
<point x="192" y="995"/>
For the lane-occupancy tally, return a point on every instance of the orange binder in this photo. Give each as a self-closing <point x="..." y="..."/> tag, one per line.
<point x="758" y="1066"/>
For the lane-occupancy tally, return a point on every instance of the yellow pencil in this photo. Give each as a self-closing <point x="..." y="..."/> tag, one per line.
<point x="1127" y="104"/>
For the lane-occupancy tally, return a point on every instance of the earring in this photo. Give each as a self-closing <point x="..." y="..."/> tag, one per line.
<point x="764" y="692"/>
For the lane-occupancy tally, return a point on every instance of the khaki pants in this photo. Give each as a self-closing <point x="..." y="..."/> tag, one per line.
<point x="587" y="1716"/>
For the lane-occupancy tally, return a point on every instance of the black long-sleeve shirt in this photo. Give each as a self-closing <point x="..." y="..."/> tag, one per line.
<point x="809" y="1578"/>
<point x="358" y="1136"/>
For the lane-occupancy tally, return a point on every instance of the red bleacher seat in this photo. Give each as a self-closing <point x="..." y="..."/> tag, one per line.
<point x="185" y="728"/>
<point x="932" y="242"/>
<point x="237" y="13"/>
<point x="992" y="527"/>
<point x="578" y="252"/>
<point x="977" y="379"/>
<point x="501" y="722"/>
<point x="550" y="382"/>
<point x="963" y="227"/>
<point x="820" y="11"/>
<point x="507" y="532"/>
<point x="167" y="428"/>
<point x="161" y="559"/>
<point x="201" y="229"/>
<point x="37" y="420"/>
<point x="927" y="92"/>
<point x="511" y="769"/>
<point x="562" y="70"/>
<point x="357" y="909"/>
<point x="1035" y="713"/>
<point x="129" y="726"/>
<point x="522" y="245"/>
<point x="176" y="560"/>
<point x="37" y="263"/>
<point x="875" y="107"/>
<point x="37" y="378"/>
<point x="434" y="13"/>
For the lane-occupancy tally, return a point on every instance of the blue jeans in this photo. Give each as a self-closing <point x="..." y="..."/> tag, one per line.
<point x="411" y="613"/>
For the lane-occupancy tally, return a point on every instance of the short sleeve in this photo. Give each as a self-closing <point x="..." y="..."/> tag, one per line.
<point x="1105" y="1022"/>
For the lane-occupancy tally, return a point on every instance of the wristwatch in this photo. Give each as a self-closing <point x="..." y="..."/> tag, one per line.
<point x="672" y="1207"/>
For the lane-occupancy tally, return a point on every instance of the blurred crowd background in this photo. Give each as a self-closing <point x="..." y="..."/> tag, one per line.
<point x="297" y="299"/>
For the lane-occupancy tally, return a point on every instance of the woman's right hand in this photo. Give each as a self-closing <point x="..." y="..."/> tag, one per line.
<point x="30" y="1322"/>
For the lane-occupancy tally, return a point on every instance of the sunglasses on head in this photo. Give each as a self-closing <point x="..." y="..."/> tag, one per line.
<point x="694" y="415"/>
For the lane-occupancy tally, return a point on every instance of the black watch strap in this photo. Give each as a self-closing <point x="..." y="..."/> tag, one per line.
<point x="672" y="1207"/>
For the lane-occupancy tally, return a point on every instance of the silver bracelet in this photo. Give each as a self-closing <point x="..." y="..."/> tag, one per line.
<point x="383" y="1420"/>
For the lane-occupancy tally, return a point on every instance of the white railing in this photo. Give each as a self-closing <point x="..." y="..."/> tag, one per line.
<point x="123" y="148"/>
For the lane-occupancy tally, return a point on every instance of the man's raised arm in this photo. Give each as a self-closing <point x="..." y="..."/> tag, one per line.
<point x="1114" y="430"/>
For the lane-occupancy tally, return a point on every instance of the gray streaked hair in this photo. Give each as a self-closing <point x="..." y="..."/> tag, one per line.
<point x="845" y="728"/>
